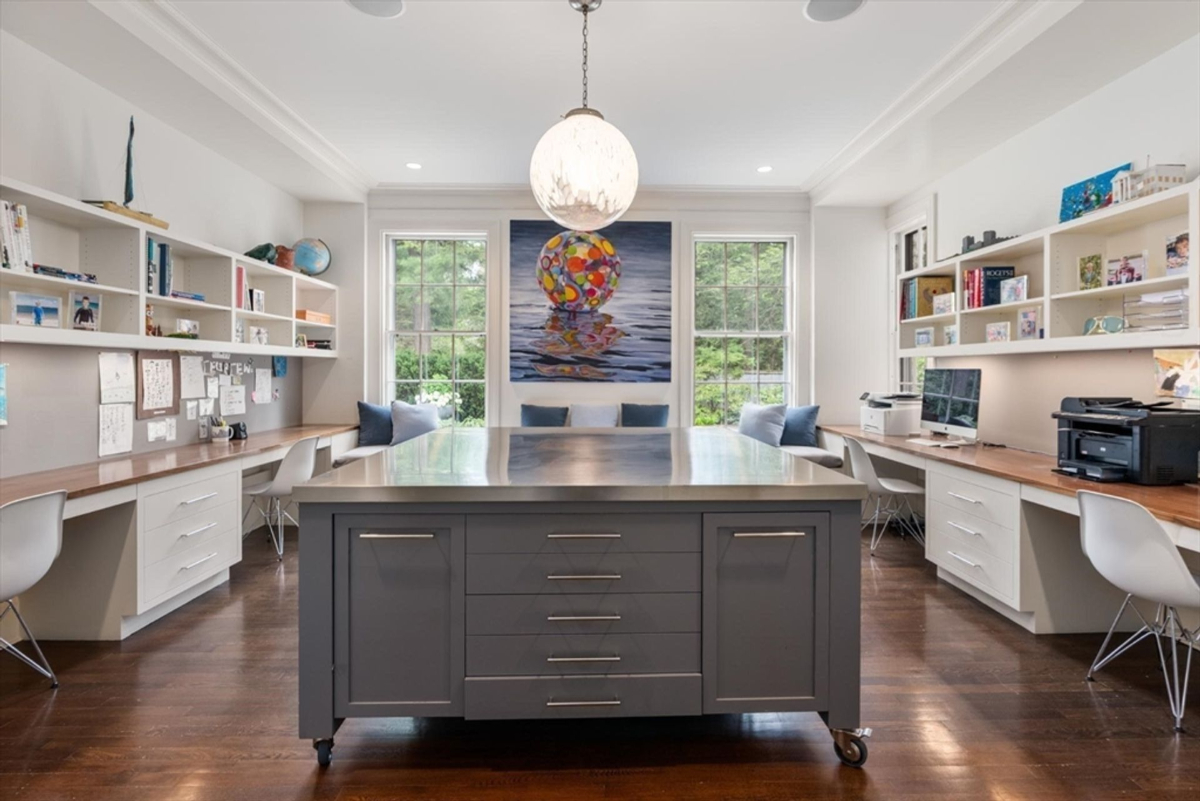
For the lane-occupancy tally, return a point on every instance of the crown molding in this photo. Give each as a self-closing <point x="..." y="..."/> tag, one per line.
<point x="1002" y="33"/>
<point x="163" y="28"/>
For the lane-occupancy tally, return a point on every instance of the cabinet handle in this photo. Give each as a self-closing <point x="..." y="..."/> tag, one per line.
<point x="197" y="531"/>
<point x="583" y="659"/>
<point x="601" y="577"/>
<point x="965" y="561"/>
<point x="582" y="618"/>
<point x="199" y="561"/>
<point x="962" y="497"/>
<point x="613" y="702"/>
<point x="768" y="534"/>
<point x="197" y="500"/>
<point x="583" y="536"/>
<point x="374" y="536"/>
<point x="963" y="528"/>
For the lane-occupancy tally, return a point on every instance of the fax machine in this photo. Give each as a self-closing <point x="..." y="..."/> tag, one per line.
<point x="1120" y="439"/>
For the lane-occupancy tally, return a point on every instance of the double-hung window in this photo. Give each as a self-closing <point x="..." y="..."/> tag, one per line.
<point x="437" y="332"/>
<point x="741" y="342"/>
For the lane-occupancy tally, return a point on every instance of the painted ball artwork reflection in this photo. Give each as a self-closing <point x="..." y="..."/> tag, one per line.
<point x="579" y="271"/>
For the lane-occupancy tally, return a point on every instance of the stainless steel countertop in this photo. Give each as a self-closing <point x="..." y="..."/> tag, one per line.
<point x="573" y="464"/>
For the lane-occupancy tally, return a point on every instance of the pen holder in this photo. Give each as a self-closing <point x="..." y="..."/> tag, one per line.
<point x="221" y="433"/>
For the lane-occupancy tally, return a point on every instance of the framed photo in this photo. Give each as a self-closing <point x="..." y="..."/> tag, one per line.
<point x="1013" y="290"/>
<point x="998" y="332"/>
<point x="950" y="333"/>
<point x="1027" y="322"/>
<point x="1178" y="248"/>
<point x="944" y="303"/>
<point x="259" y="336"/>
<point x="1126" y="270"/>
<point x="44" y="311"/>
<point x="85" y="310"/>
<point x="239" y="331"/>
<point x="1091" y="272"/>
<point x="924" y="337"/>
<point x="1176" y="373"/>
<point x="301" y="341"/>
<point x="189" y="327"/>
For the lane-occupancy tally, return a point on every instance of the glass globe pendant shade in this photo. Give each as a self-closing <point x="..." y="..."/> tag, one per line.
<point x="584" y="173"/>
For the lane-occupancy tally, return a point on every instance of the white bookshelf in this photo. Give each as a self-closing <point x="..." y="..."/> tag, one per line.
<point x="1050" y="258"/>
<point x="77" y="237"/>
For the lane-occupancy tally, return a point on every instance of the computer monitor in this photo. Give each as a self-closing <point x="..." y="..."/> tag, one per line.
<point x="950" y="402"/>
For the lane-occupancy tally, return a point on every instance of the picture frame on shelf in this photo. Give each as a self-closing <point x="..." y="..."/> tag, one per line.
<point x="301" y="341"/>
<point x="944" y="303"/>
<point x="1126" y="270"/>
<point x="998" y="332"/>
<point x="239" y="331"/>
<point x="259" y="335"/>
<point x="32" y="309"/>
<point x="1090" y="194"/>
<point x="189" y="327"/>
<point x="1178" y="254"/>
<point x="1091" y="271"/>
<point x="923" y="337"/>
<point x="85" y="310"/>
<point x="950" y="334"/>
<point x="1015" y="289"/>
<point x="1028" y="323"/>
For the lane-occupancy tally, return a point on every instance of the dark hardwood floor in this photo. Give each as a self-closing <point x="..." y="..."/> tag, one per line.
<point x="202" y="705"/>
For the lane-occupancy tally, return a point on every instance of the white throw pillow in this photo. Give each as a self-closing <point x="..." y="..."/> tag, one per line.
<point x="594" y="415"/>
<point x="763" y="423"/>
<point x="410" y="420"/>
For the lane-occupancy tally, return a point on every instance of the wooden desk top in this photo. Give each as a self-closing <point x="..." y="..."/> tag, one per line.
<point x="100" y="476"/>
<point x="1178" y="504"/>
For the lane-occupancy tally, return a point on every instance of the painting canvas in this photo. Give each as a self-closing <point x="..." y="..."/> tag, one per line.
<point x="1177" y="373"/>
<point x="1088" y="195"/>
<point x="590" y="306"/>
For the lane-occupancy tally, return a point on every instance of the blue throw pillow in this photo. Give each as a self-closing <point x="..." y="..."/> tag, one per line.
<point x="644" y="415"/>
<point x="409" y="421"/>
<point x="374" y="424"/>
<point x="543" y="416"/>
<point x="800" y="426"/>
<point x="763" y="423"/>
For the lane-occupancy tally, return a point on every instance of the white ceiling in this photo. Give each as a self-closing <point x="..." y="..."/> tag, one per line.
<point x="705" y="91"/>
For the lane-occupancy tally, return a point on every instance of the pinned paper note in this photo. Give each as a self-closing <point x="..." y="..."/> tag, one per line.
<point x="262" y="385"/>
<point x="156" y="430"/>
<point x="116" y="428"/>
<point x="233" y="401"/>
<point x="191" y="377"/>
<point x="212" y="387"/>
<point x="191" y="408"/>
<point x="116" y="378"/>
<point x="206" y="407"/>
<point x="171" y="429"/>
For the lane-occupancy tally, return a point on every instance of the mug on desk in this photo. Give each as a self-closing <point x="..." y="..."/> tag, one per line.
<point x="221" y="433"/>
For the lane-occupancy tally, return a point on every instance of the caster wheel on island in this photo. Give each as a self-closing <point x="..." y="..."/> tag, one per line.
<point x="855" y="753"/>
<point x="324" y="752"/>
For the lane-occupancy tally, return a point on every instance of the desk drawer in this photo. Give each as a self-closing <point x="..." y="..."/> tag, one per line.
<point x="572" y="654"/>
<point x="615" y="613"/>
<point x="979" y="533"/>
<point x="583" y="697"/>
<point x="169" y="505"/>
<point x="996" y="501"/>
<point x="185" y="568"/>
<point x="187" y="532"/>
<point x="528" y="574"/>
<point x="613" y="533"/>
<point x="989" y="573"/>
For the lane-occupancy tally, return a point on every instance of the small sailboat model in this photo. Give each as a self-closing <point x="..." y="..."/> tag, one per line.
<point x="123" y="208"/>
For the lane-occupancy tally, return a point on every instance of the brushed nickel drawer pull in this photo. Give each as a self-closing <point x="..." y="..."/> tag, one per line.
<point x="613" y="702"/>
<point x="764" y="534"/>
<point x="374" y="536"/>
<point x="581" y="618"/>
<point x="199" y="561"/>
<point x="962" y="497"/>
<point x="197" y="500"/>
<point x="583" y="659"/>
<point x="583" y="536"/>
<point x="963" y="528"/>
<point x="197" y="531"/>
<point x="965" y="561"/>
<point x="601" y="577"/>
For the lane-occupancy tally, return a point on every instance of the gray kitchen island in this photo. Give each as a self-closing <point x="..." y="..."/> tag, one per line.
<point x="579" y="573"/>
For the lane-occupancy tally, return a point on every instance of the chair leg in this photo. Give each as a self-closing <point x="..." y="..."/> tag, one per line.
<point x="275" y="526"/>
<point x="876" y="533"/>
<point x="1176" y="689"/>
<point x="43" y="668"/>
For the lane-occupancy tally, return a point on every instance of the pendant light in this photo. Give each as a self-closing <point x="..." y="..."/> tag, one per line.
<point x="584" y="173"/>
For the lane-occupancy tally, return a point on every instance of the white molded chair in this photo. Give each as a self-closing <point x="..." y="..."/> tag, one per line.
<point x="30" y="540"/>
<point x="892" y="497"/>
<point x="1128" y="547"/>
<point x="296" y="468"/>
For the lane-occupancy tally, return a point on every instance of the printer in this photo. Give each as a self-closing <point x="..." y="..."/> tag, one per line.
<point x="890" y="413"/>
<point x="1120" y="439"/>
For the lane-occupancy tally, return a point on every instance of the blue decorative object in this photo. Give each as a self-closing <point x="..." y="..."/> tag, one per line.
<point x="543" y="416"/>
<point x="311" y="257"/>
<point x="763" y="423"/>
<point x="412" y="420"/>
<point x="800" y="426"/>
<point x="1090" y="195"/>
<point x="644" y="415"/>
<point x="374" y="424"/>
<point x="279" y="366"/>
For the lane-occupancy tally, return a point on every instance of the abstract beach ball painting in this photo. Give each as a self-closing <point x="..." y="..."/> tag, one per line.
<point x="578" y="270"/>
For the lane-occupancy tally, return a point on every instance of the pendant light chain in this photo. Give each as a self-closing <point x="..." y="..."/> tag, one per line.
<point x="585" y="55"/>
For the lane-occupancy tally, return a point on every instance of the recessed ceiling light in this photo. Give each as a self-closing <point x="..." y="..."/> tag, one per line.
<point x="765" y="168"/>
<point x="412" y="165"/>
<point x="384" y="9"/>
<point x="831" y="10"/>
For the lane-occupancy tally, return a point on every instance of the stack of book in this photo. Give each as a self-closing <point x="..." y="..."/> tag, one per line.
<point x="58" y="272"/>
<point x="916" y="297"/>
<point x="981" y="285"/>
<point x="16" y="247"/>
<point x="320" y="344"/>
<point x="1156" y="311"/>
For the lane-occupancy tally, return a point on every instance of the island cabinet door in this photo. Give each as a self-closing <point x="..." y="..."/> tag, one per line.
<point x="766" y="612"/>
<point x="399" y="628"/>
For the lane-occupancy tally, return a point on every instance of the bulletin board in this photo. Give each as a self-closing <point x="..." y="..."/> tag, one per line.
<point x="157" y="384"/>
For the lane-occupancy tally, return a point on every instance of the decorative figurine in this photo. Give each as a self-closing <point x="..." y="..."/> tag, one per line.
<point x="123" y="208"/>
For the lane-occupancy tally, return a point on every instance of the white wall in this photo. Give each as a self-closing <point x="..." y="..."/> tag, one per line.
<point x="489" y="213"/>
<point x="851" y="306"/>
<point x="62" y="132"/>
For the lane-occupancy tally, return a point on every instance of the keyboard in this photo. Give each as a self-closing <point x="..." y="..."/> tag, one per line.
<point x="933" y="443"/>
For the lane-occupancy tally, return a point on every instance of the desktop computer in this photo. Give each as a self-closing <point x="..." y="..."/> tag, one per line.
<point x="950" y="405"/>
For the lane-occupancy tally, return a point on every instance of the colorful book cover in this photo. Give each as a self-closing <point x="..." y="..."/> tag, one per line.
<point x="164" y="269"/>
<point x="240" y="289"/>
<point x="928" y="288"/>
<point x="151" y="266"/>
<point x="991" y="279"/>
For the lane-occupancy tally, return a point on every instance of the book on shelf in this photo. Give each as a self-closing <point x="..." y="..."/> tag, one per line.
<point x="152" y="285"/>
<point x="918" y="295"/>
<point x="15" y="240"/>
<point x="240" y="288"/>
<point x="182" y="295"/>
<point x="66" y="275"/>
<point x="165" y="269"/>
<point x="983" y="285"/>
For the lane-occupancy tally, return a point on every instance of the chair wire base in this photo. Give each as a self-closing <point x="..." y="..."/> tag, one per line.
<point x="274" y="516"/>
<point x="44" y="666"/>
<point x="894" y="509"/>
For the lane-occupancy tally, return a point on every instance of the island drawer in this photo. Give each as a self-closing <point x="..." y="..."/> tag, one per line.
<point x="525" y="574"/>
<point x="543" y="533"/>
<point x="583" y="697"/>
<point x="567" y="654"/>
<point x="614" y="613"/>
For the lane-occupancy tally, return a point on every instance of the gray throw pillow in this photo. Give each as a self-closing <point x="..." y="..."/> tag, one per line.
<point x="763" y="423"/>
<point x="409" y="420"/>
